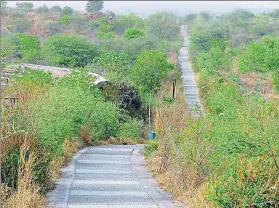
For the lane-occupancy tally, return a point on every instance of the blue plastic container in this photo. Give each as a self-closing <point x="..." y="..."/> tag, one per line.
<point x="151" y="135"/>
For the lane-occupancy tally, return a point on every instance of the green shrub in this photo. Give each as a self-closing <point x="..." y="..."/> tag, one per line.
<point x="276" y="82"/>
<point x="65" y="19"/>
<point x="212" y="61"/>
<point x="130" y="129"/>
<point x="21" y="45"/>
<point x="133" y="33"/>
<point x="261" y="56"/>
<point x="242" y="130"/>
<point x="37" y="77"/>
<point x="68" y="50"/>
<point x="150" y="148"/>
<point x="252" y="58"/>
<point x="69" y="104"/>
<point x="149" y="70"/>
<point x="67" y="11"/>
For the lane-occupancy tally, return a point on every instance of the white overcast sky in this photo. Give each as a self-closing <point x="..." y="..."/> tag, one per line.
<point x="180" y="7"/>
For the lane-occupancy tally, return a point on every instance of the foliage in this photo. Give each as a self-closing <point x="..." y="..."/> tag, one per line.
<point x="133" y="33"/>
<point x="150" y="68"/>
<point x="37" y="77"/>
<point x="163" y="25"/>
<point x="242" y="153"/>
<point x="212" y="61"/>
<point x="67" y="11"/>
<point x="130" y="129"/>
<point x="7" y="47"/>
<point x="105" y="29"/>
<point x="206" y="15"/>
<point x="151" y="147"/>
<point x="94" y="6"/>
<point x="240" y="14"/>
<point x="65" y="19"/>
<point x="25" y="5"/>
<point x="42" y="9"/>
<point x="29" y="46"/>
<point x="55" y="9"/>
<point x="21" y="45"/>
<point x="276" y="82"/>
<point x="123" y="22"/>
<point x="20" y="25"/>
<point x="190" y="17"/>
<point x="68" y="50"/>
<point x="262" y="56"/>
<point x="119" y="63"/>
<point x="105" y="35"/>
<point x="93" y="25"/>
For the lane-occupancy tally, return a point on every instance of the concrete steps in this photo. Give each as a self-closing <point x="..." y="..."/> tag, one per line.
<point x="189" y="84"/>
<point x="111" y="176"/>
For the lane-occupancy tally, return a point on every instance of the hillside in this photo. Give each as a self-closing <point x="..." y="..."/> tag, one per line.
<point x="206" y="86"/>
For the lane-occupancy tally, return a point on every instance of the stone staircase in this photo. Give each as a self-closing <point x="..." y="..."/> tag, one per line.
<point x="189" y="84"/>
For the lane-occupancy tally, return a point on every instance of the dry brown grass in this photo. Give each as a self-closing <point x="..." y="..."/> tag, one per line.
<point x="85" y="134"/>
<point x="27" y="194"/>
<point x="70" y="146"/>
<point x="178" y="163"/>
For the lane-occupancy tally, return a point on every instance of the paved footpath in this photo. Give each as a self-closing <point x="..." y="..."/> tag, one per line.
<point x="189" y="83"/>
<point x="110" y="176"/>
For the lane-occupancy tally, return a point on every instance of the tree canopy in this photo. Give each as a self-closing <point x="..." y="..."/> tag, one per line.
<point x="67" y="11"/>
<point x="94" y="6"/>
<point x="68" y="50"/>
<point x="150" y="67"/>
<point x="163" y="25"/>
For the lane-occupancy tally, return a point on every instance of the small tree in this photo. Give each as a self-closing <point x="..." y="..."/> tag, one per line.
<point x="123" y="22"/>
<point x="20" y="25"/>
<point x="55" y="9"/>
<point x="94" y="6"/>
<point x="42" y="9"/>
<point x="65" y="20"/>
<point x="206" y="15"/>
<point x="68" y="50"/>
<point x="133" y="33"/>
<point x="163" y="25"/>
<point x="67" y="11"/>
<point x="150" y="67"/>
<point x="20" y="45"/>
<point x="190" y="17"/>
<point x="25" y="5"/>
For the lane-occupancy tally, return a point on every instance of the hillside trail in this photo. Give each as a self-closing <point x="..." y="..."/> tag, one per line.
<point x="115" y="176"/>
<point x="109" y="176"/>
<point x="189" y="83"/>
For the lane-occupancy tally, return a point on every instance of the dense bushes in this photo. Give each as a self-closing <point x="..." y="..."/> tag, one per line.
<point x="22" y="46"/>
<point x="227" y="158"/>
<point x="51" y="117"/>
<point x="130" y="129"/>
<point x="243" y="128"/>
<point x="133" y="33"/>
<point x="68" y="50"/>
<point x="149" y="69"/>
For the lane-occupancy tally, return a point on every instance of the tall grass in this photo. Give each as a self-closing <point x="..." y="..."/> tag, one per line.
<point x="229" y="157"/>
<point x="48" y="122"/>
<point x="27" y="194"/>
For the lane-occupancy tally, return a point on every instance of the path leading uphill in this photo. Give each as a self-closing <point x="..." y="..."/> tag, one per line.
<point x="110" y="176"/>
<point x="189" y="84"/>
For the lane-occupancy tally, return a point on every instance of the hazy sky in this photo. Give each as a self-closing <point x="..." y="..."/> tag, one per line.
<point x="180" y="7"/>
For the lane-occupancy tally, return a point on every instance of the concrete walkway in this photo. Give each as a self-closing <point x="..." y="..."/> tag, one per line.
<point x="111" y="176"/>
<point x="189" y="84"/>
